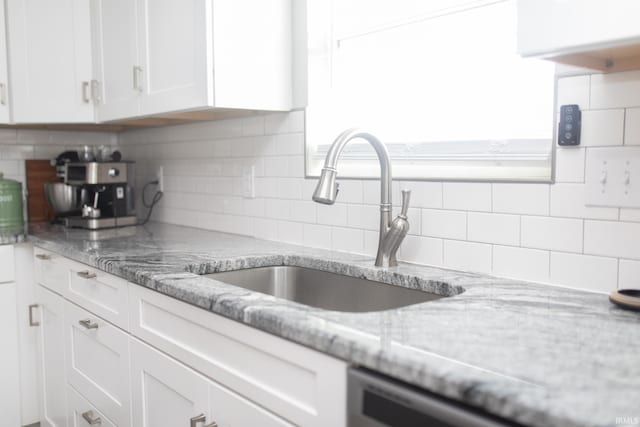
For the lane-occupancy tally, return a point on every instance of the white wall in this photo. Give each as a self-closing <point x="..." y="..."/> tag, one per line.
<point x="528" y="231"/>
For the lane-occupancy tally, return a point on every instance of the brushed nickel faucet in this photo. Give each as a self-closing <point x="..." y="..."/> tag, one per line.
<point x="391" y="232"/>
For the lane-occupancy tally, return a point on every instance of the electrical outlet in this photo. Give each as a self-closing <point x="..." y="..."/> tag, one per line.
<point x="248" y="182"/>
<point x="160" y="178"/>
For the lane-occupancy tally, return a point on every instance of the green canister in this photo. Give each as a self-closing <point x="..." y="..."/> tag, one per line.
<point x="11" y="220"/>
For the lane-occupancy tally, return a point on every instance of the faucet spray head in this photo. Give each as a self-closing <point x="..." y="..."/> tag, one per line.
<point x="327" y="188"/>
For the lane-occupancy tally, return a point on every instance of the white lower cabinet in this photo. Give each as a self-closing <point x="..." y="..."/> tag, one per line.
<point x="84" y="414"/>
<point x="98" y="362"/>
<point x="178" y="366"/>
<point x="165" y="393"/>
<point x="51" y="358"/>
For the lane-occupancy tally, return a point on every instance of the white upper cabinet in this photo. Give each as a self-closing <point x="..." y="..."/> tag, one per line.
<point x="597" y="34"/>
<point x="114" y="56"/>
<point x="174" y="40"/>
<point x="50" y="61"/>
<point x="155" y="57"/>
<point x="4" y="74"/>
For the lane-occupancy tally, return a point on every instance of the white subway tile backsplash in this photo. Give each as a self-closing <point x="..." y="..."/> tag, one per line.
<point x="316" y="236"/>
<point x="612" y="238"/>
<point x="296" y="166"/>
<point x="567" y="200"/>
<point x="467" y="196"/>
<point x="422" y="250"/>
<point x="303" y="211"/>
<point x="371" y="239"/>
<point x="615" y="90"/>
<point x="276" y="166"/>
<point x="290" y="144"/>
<point x="628" y="214"/>
<point x="602" y="127"/>
<point x="253" y="126"/>
<point x="332" y="214"/>
<point x="584" y="271"/>
<point x="347" y="240"/>
<point x="264" y="228"/>
<point x="570" y="164"/>
<point x="521" y="263"/>
<point x="277" y="208"/>
<point x="632" y="127"/>
<point x="350" y="191"/>
<point x="290" y="232"/>
<point x="574" y="90"/>
<point x="557" y="234"/>
<point x="493" y="228"/>
<point x="467" y="256"/>
<point x="363" y="216"/>
<point x="629" y="274"/>
<point x="290" y="188"/>
<point x="529" y="199"/>
<point x="446" y="224"/>
<point x="424" y="194"/>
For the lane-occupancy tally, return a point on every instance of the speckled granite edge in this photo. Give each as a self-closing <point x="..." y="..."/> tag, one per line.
<point x="374" y="340"/>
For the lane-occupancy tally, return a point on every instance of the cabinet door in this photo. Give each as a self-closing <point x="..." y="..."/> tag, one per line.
<point x="115" y="56"/>
<point x="165" y="392"/>
<point x="4" y="75"/>
<point x="174" y="39"/>
<point x="51" y="359"/>
<point x="98" y="363"/>
<point x="9" y="357"/>
<point x="567" y="26"/>
<point x="50" y="60"/>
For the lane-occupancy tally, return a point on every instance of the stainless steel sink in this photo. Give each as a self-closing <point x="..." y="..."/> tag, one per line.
<point x="323" y="289"/>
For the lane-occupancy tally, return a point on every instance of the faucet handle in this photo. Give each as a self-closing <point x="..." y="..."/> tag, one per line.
<point x="406" y="197"/>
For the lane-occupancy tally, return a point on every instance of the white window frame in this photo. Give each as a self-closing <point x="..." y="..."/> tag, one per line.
<point x="509" y="160"/>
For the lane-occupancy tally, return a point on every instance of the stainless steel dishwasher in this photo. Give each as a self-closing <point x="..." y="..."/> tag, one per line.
<point x="376" y="401"/>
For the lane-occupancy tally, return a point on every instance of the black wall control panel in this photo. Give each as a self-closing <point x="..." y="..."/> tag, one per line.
<point x="570" y="124"/>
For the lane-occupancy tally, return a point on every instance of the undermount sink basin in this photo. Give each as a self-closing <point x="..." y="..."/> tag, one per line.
<point x="322" y="289"/>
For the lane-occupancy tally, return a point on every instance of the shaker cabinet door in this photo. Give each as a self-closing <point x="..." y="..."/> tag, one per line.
<point x="50" y="61"/>
<point x="175" y="55"/>
<point x="165" y="393"/>
<point x="51" y="358"/>
<point x="4" y="72"/>
<point x="115" y="59"/>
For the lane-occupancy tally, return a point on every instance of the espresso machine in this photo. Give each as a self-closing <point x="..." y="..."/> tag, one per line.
<point x="107" y="194"/>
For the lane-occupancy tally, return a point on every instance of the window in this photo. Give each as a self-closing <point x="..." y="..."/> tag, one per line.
<point x="438" y="81"/>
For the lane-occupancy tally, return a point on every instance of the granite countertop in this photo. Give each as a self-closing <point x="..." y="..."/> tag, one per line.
<point x="538" y="355"/>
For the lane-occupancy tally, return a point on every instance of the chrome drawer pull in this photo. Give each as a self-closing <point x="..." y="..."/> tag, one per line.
<point x="31" y="321"/>
<point x="87" y="274"/>
<point x="88" y="417"/>
<point x="197" y="419"/>
<point x="88" y="324"/>
<point x="43" y="257"/>
<point x="213" y="424"/>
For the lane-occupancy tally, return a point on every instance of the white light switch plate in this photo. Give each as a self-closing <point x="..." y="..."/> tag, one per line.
<point x="613" y="177"/>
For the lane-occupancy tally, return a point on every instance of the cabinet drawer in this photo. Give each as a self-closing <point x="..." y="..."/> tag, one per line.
<point x="101" y="293"/>
<point x="84" y="414"/>
<point x="51" y="270"/>
<point x="230" y="409"/>
<point x="98" y="363"/>
<point x="7" y="267"/>
<point x="301" y="385"/>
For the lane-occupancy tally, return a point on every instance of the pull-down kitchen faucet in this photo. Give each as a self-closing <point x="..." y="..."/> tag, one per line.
<point x="391" y="233"/>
